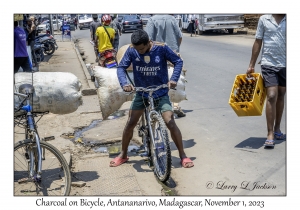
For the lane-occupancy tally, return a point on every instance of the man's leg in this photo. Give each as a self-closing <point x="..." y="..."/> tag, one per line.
<point x="96" y="53"/>
<point x="33" y="55"/>
<point x="26" y="65"/>
<point x="176" y="135"/>
<point x="133" y="118"/>
<point x="279" y="108"/>
<point x="275" y="83"/>
<point x="272" y="93"/>
<point x="17" y="64"/>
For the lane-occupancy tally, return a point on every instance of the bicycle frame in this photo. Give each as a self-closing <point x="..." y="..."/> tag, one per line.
<point x="149" y="113"/>
<point x="31" y="130"/>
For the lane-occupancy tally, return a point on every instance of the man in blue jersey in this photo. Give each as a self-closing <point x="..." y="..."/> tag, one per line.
<point x="164" y="28"/>
<point x="149" y="61"/>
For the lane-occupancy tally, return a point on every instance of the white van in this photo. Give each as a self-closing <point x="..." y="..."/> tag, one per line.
<point x="214" y="21"/>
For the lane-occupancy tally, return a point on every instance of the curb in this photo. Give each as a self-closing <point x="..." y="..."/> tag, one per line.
<point x="86" y="72"/>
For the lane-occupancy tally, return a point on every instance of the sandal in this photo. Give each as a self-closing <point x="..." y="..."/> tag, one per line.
<point x="269" y="143"/>
<point x="185" y="163"/>
<point x="279" y="136"/>
<point x="117" y="161"/>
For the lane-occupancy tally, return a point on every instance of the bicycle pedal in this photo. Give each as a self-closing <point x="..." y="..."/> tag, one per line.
<point x="49" y="138"/>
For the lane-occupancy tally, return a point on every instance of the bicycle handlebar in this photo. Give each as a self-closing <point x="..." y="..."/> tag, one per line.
<point x="20" y="94"/>
<point x="137" y="89"/>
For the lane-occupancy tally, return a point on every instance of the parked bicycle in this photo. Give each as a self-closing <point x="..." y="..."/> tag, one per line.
<point x="39" y="168"/>
<point x="153" y="131"/>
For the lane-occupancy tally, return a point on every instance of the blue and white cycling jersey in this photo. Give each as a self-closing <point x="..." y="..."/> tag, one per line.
<point x="150" y="69"/>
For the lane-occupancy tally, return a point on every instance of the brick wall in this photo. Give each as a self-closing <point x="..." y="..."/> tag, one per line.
<point x="251" y="20"/>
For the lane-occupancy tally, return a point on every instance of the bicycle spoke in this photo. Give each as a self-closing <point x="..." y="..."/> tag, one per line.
<point x="55" y="177"/>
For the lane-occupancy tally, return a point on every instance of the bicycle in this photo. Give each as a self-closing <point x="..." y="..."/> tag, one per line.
<point x="39" y="168"/>
<point x="152" y="129"/>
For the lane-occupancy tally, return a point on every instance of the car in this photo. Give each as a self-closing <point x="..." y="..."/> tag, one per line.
<point x="145" y="18"/>
<point x="131" y="23"/>
<point x="84" y="21"/>
<point x="43" y="25"/>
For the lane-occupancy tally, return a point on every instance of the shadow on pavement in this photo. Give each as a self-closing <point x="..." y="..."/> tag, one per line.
<point x="186" y="144"/>
<point x="140" y="166"/>
<point x="85" y="176"/>
<point x="186" y="111"/>
<point x="254" y="143"/>
<point x="47" y="58"/>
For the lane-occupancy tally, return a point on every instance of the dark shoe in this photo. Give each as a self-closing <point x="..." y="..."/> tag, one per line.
<point x="179" y="112"/>
<point x="269" y="143"/>
<point x="279" y="136"/>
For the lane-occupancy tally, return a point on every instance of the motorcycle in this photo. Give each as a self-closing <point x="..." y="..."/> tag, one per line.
<point x="108" y="59"/>
<point x="38" y="51"/>
<point x="49" y="43"/>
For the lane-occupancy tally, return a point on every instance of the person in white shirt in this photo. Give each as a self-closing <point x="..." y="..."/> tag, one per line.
<point x="271" y="37"/>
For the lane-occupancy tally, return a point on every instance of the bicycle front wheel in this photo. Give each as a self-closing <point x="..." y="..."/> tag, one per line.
<point x="160" y="150"/>
<point x="55" y="177"/>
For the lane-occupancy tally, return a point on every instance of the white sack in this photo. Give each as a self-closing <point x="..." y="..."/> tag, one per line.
<point x="111" y="96"/>
<point x="56" y="92"/>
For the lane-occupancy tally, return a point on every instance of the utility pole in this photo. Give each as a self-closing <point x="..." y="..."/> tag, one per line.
<point x="51" y="24"/>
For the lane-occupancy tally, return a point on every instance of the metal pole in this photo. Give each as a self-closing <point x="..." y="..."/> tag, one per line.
<point x="51" y="24"/>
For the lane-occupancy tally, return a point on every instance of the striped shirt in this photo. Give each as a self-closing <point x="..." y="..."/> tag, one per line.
<point x="164" y="28"/>
<point x="274" y="40"/>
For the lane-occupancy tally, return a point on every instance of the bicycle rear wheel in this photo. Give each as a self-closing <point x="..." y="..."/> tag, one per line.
<point x="56" y="177"/>
<point x="160" y="152"/>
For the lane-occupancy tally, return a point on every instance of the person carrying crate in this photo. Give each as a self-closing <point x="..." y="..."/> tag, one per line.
<point x="271" y="37"/>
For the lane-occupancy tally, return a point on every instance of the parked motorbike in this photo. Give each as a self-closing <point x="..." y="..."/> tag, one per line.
<point x="49" y="43"/>
<point x="38" y="50"/>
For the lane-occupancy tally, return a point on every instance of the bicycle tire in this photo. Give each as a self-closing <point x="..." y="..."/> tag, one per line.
<point x="56" y="176"/>
<point x="161" y="154"/>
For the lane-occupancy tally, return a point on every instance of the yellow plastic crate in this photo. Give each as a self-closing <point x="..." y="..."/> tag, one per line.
<point x="254" y="105"/>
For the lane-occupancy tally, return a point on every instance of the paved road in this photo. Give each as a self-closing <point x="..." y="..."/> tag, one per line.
<point x="227" y="150"/>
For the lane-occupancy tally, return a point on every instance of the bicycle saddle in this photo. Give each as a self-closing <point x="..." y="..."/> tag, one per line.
<point x="26" y="88"/>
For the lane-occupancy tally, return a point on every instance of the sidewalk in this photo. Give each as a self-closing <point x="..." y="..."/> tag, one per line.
<point x="89" y="167"/>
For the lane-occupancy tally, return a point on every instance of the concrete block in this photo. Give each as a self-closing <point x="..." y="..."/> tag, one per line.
<point x="88" y="92"/>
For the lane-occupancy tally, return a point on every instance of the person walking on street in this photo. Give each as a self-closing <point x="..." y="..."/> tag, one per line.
<point x="196" y="26"/>
<point x="93" y="27"/>
<point x="75" y="22"/>
<point x="104" y="39"/>
<point x="118" y="32"/>
<point x="271" y="37"/>
<point x="21" y="58"/>
<point x="169" y="34"/>
<point x="191" y="26"/>
<point x="149" y="61"/>
<point x="30" y="34"/>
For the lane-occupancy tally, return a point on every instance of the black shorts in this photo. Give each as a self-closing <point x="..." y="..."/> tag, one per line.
<point x="273" y="76"/>
<point x="22" y="62"/>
